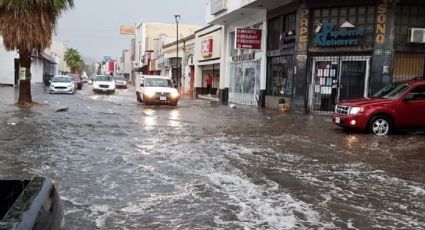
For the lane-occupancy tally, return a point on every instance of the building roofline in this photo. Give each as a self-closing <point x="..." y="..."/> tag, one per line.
<point x="192" y="36"/>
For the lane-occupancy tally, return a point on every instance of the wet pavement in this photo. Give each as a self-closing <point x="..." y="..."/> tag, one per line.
<point x="202" y="165"/>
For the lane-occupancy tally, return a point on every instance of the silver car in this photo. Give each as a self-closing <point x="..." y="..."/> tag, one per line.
<point x="120" y="82"/>
<point x="62" y="84"/>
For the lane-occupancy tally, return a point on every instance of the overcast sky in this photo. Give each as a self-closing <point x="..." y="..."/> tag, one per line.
<point x="92" y="26"/>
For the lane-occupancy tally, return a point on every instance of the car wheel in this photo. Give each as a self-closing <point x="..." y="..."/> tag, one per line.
<point x="380" y="125"/>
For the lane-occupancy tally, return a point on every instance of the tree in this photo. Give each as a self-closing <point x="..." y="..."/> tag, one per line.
<point x="73" y="59"/>
<point x="27" y="25"/>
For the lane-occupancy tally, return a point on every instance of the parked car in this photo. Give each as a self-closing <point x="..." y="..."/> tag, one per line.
<point x="30" y="204"/>
<point x="77" y="79"/>
<point x="62" y="84"/>
<point x="397" y="106"/>
<point x="120" y="82"/>
<point x="104" y="84"/>
<point x="153" y="89"/>
<point x="85" y="79"/>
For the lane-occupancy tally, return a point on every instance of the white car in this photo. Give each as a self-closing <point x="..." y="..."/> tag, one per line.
<point x="62" y="84"/>
<point x="120" y="82"/>
<point x="104" y="84"/>
<point x="154" y="89"/>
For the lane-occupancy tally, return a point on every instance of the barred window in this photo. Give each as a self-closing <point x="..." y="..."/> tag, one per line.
<point x="411" y="16"/>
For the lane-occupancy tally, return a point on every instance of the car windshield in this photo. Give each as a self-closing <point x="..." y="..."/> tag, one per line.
<point x="103" y="78"/>
<point x="120" y="78"/>
<point x="392" y="91"/>
<point x="158" y="82"/>
<point x="61" y="79"/>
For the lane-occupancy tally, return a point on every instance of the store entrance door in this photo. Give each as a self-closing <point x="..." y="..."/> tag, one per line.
<point x="337" y="78"/>
<point x="353" y="79"/>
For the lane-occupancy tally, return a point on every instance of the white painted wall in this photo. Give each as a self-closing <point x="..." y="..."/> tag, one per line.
<point x="257" y="17"/>
<point x="232" y="5"/>
<point x="219" y="51"/>
<point x="37" y="70"/>
<point x="7" y="65"/>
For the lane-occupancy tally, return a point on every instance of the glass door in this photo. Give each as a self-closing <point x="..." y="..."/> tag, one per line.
<point x="324" y="84"/>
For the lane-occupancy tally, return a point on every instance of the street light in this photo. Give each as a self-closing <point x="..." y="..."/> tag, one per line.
<point x="177" y="17"/>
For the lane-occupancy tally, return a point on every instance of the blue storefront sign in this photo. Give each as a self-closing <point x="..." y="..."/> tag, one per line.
<point x="328" y="36"/>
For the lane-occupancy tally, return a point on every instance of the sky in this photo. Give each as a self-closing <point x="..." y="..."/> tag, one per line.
<point x="92" y="26"/>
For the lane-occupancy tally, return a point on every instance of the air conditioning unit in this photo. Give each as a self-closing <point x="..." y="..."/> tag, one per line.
<point x="416" y="35"/>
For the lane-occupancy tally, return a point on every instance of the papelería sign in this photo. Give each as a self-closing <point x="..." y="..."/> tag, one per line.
<point x="346" y="35"/>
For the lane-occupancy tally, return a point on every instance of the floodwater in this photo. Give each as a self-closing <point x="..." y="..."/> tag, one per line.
<point x="202" y="165"/>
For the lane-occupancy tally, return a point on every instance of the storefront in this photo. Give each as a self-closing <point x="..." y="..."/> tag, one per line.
<point x="208" y="62"/>
<point x="247" y="66"/>
<point x="281" y="35"/>
<point x="347" y="51"/>
<point x="409" y="39"/>
<point x="340" y="53"/>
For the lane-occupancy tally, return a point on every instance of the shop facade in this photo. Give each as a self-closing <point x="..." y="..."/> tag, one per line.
<point x="209" y="60"/>
<point x="321" y="52"/>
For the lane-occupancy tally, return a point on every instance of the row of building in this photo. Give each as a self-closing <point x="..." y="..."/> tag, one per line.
<point x="311" y="53"/>
<point x="47" y="63"/>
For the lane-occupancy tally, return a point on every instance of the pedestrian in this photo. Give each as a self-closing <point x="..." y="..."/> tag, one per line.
<point x="209" y="83"/>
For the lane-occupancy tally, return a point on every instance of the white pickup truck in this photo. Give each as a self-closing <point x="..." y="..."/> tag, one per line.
<point x="155" y="89"/>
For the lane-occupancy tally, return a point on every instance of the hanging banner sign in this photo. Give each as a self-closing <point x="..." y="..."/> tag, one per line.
<point x="248" y="38"/>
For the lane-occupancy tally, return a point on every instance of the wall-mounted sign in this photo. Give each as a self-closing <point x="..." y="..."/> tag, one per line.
<point x="127" y="30"/>
<point x="207" y="47"/>
<point x="287" y="40"/>
<point x="107" y="58"/>
<point x="327" y="35"/>
<point x="304" y="25"/>
<point x="217" y="6"/>
<point x="248" y="38"/>
<point x="381" y="21"/>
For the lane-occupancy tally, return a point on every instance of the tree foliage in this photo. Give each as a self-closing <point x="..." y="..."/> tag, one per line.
<point x="28" y="25"/>
<point x="73" y="60"/>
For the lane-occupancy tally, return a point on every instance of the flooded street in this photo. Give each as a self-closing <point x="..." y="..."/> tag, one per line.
<point x="202" y="165"/>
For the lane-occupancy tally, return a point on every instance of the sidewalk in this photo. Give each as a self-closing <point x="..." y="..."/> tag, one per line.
<point x="10" y="95"/>
<point x="209" y="97"/>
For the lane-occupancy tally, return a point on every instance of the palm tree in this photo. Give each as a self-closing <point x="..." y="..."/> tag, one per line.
<point x="73" y="59"/>
<point x="27" y="25"/>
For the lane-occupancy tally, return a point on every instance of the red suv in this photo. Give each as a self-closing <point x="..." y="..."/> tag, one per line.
<point x="400" y="105"/>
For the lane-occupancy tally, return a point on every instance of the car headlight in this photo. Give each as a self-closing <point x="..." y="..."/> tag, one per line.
<point x="71" y="85"/>
<point x="356" y="110"/>
<point x="149" y="94"/>
<point x="175" y="94"/>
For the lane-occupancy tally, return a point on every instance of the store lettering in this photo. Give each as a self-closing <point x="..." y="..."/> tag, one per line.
<point x="304" y="26"/>
<point x="343" y="37"/>
<point x="381" y="20"/>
